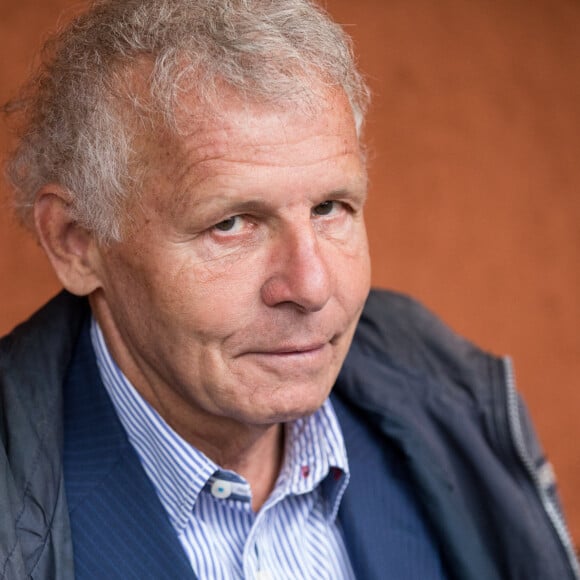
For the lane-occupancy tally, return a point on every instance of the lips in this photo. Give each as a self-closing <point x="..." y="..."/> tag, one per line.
<point x="298" y="349"/>
<point x="303" y="354"/>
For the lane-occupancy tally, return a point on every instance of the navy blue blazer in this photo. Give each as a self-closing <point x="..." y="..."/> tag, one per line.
<point x="120" y="528"/>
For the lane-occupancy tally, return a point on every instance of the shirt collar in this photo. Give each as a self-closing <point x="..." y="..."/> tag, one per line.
<point x="315" y="454"/>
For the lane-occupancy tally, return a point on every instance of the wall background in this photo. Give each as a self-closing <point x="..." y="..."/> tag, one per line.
<point x="474" y="204"/>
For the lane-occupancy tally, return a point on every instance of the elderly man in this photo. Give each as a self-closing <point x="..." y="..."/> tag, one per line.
<point x="194" y="172"/>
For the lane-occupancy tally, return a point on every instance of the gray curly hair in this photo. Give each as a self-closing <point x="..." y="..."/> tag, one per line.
<point x="74" y="129"/>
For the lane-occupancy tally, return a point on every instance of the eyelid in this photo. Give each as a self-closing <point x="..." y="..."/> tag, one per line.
<point x="354" y="199"/>
<point x="223" y="220"/>
<point x="337" y="205"/>
<point x="218" y="224"/>
<point x="242" y="225"/>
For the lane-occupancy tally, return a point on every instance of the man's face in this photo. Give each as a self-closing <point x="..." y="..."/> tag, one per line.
<point x="236" y="293"/>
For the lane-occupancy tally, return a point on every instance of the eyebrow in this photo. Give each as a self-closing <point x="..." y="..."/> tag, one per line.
<point x="219" y="203"/>
<point x="231" y="204"/>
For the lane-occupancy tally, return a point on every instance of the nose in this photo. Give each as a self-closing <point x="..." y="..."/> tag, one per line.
<point x="300" y="274"/>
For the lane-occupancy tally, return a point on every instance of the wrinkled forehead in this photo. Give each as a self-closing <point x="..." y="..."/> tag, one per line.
<point x="201" y="130"/>
<point x="205" y="137"/>
<point x="264" y="123"/>
<point x="311" y="99"/>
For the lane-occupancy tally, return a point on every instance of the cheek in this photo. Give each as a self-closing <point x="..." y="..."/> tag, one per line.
<point x="208" y="301"/>
<point x="352" y="269"/>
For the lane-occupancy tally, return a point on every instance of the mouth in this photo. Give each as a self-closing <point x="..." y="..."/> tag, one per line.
<point x="291" y="352"/>
<point x="296" y="359"/>
<point x="311" y="353"/>
<point x="294" y="349"/>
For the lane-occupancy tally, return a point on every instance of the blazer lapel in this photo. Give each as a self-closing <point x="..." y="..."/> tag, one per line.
<point x="385" y="531"/>
<point x="120" y="529"/>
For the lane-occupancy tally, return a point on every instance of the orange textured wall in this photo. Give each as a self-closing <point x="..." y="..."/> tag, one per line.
<point x="474" y="206"/>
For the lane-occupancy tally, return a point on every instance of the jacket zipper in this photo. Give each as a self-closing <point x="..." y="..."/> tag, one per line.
<point x="517" y="433"/>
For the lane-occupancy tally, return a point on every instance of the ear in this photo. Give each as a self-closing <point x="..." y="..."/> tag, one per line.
<point x="71" y="249"/>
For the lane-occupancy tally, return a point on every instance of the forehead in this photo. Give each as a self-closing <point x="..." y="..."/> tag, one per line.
<point x="206" y="131"/>
<point x="237" y="132"/>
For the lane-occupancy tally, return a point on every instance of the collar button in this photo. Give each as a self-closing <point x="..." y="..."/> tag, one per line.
<point x="221" y="489"/>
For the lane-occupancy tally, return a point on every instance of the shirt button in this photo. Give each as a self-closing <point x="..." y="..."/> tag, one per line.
<point x="221" y="489"/>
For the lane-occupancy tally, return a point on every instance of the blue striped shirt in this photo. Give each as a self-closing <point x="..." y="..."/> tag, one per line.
<point x="294" y="535"/>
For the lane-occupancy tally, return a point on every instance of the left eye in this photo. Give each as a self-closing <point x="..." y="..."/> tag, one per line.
<point x="230" y="224"/>
<point x="324" y="208"/>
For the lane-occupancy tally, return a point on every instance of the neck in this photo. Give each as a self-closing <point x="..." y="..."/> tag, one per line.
<point x="254" y="452"/>
<point x="258" y="460"/>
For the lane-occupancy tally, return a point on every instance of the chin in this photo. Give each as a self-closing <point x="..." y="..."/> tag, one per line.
<point x="295" y="408"/>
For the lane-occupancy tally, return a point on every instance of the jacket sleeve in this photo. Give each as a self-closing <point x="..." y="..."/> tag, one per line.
<point x="531" y="454"/>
